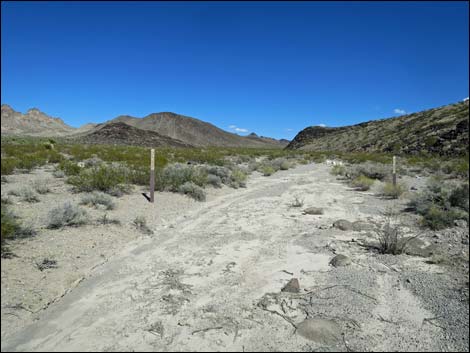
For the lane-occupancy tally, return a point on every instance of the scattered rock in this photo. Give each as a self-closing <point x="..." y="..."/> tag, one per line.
<point x="340" y="260"/>
<point x="414" y="188"/>
<point x="313" y="210"/>
<point x="343" y="224"/>
<point x="292" y="286"/>
<point x="321" y="331"/>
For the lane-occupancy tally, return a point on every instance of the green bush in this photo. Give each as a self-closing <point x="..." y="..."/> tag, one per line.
<point x="459" y="197"/>
<point x="8" y="165"/>
<point x="369" y="169"/>
<point x="362" y="183"/>
<point x="69" y="168"/>
<point x="112" y="179"/>
<point x="175" y="175"/>
<point x="10" y="226"/>
<point x="267" y="170"/>
<point x="338" y="170"/>
<point x="141" y="224"/>
<point x="393" y="191"/>
<point x="238" y="178"/>
<point x="41" y="187"/>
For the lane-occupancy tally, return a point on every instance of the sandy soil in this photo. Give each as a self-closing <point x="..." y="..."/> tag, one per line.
<point x="210" y="277"/>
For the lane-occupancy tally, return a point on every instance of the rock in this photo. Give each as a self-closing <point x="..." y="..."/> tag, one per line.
<point x="414" y="188"/>
<point x="461" y="223"/>
<point x="292" y="286"/>
<point x="360" y="226"/>
<point x="321" y="331"/>
<point x="340" y="260"/>
<point x="343" y="224"/>
<point x="313" y="210"/>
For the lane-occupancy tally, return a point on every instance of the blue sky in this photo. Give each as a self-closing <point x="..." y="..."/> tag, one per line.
<point x="270" y="67"/>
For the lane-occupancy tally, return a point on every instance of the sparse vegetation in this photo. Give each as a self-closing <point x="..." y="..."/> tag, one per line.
<point x="192" y="190"/>
<point x="41" y="187"/>
<point x="390" y="236"/>
<point x="97" y="199"/>
<point x="238" y="178"/>
<point x="298" y="202"/>
<point x="141" y="224"/>
<point x="28" y="195"/>
<point x="106" y="220"/>
<point x="338" y="170"/>
<point x="58" y="173"/>
<point x="362" y="183"/>
<point x="267" y="170"/>
<point x="67" y="214"/>
<point x="441" y="205"/>
<point x="393" y="191"/>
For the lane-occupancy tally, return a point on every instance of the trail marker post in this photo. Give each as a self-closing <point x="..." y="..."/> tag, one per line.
<point x="152" y="174"/>
<point x="394" y="175"/>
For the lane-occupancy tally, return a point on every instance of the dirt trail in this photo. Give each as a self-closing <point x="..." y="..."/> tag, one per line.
<point x="211" y="280"/>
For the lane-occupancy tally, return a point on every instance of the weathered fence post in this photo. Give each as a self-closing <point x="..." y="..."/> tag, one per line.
<point x="152" y="174"/>
<point x="394" y="176"/>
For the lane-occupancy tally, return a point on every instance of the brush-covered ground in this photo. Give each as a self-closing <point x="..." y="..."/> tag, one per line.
<point x="112" y="271"/>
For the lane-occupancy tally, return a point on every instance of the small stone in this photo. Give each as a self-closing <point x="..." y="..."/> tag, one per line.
<point x="340" y="260"/>
<point x="313" y="210"/>
<point x="292" y="286"/>
<point x="343" y="224"/>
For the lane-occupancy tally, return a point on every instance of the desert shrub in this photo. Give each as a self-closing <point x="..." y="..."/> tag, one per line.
<point x="28" y="195"/>
<point x="112" y="179"/>
<point x="338" y="170"/>
<point x="192" y="190"/>
<point x="176" y="175"/>
<point x="58" y="173"/>
<point x="238" y="178"/>
<point x="214" y="180"/>
<point x="10" y="225"/>
<point x="267" y="170"/>
<point x="369" y="169"/>
<point x="15" y="192"/>
<point x="362" y="183"/>
<point x="8" y="165"/>
<point x="141" y="224"/>
<point x="222" y="172"/>
<point x="96" y="199"/>
<point x="440" y="205"/>
<point x="69" y="168"/>
<point x="298" y="202"/>
<point x="253" y="165"/>
<point x="459" y="197"/>
<point x="94" y="161"/>
<point x="41" y="187"/>
<point x="106" y="220"/>
<point x="66" y="214"/>
<point x="391" y="237"/>
<point x="393" y="191"/>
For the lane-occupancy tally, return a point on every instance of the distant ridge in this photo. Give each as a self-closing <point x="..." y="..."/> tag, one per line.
<point x="442" y="130"/>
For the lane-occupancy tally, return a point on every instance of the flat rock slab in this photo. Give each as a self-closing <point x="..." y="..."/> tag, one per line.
<point x="292" y="286"/>
<point x="360" y="226"/>
<point x="340" y="260"/>
<point x="320" y="331"/>
<point x="343" y="224"/>
<point x="313" y="210"/>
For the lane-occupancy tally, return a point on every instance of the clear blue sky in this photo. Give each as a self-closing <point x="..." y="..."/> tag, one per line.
<point x="272" y="68"/>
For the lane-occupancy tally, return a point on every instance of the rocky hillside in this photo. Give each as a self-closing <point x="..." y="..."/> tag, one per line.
<point x="193" y="131"/>
<point x="34" y="122"/>
<point x="122" y="134"/>
<point x="442" y="130"/>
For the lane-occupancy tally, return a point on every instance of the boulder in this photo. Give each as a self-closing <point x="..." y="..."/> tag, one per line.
<point x="322" y="331"/>
<point x="313" y="210"/>
<point x="292" y="286"/>
<point x="343" y="224"/>
<point x="340" y="260"/>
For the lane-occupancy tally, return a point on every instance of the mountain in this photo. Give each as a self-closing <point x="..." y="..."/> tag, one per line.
<point x="193" y="131"/>
<point x="442" y="130"/>
<point x="119" y="133"/>
<point x="34" y="122"/>
<point x="177" y="128"/>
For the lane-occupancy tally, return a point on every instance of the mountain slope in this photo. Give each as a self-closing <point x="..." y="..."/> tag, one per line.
<point x="193" y="131"/>
<point x="119" y="133"/>
<point x="442" y="130"/>
<point x="34" y="122"/>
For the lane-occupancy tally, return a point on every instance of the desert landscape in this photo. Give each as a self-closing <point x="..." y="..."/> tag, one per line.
<point x="202" y="178"/>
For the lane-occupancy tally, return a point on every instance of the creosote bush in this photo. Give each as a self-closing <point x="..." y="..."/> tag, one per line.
<point x="266" y="170"/>
<point x="67" y="214"/>
<point x="238" y="178"/>
<point x="393" y="191"/>
<point x="362" y="183"/>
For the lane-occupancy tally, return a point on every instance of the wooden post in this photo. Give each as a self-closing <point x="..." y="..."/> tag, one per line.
<point x="152" y="174"/>
<point x="394" y="176"/>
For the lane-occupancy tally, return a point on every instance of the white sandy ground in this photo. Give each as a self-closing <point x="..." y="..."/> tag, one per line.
<point x="209" y="279"/>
